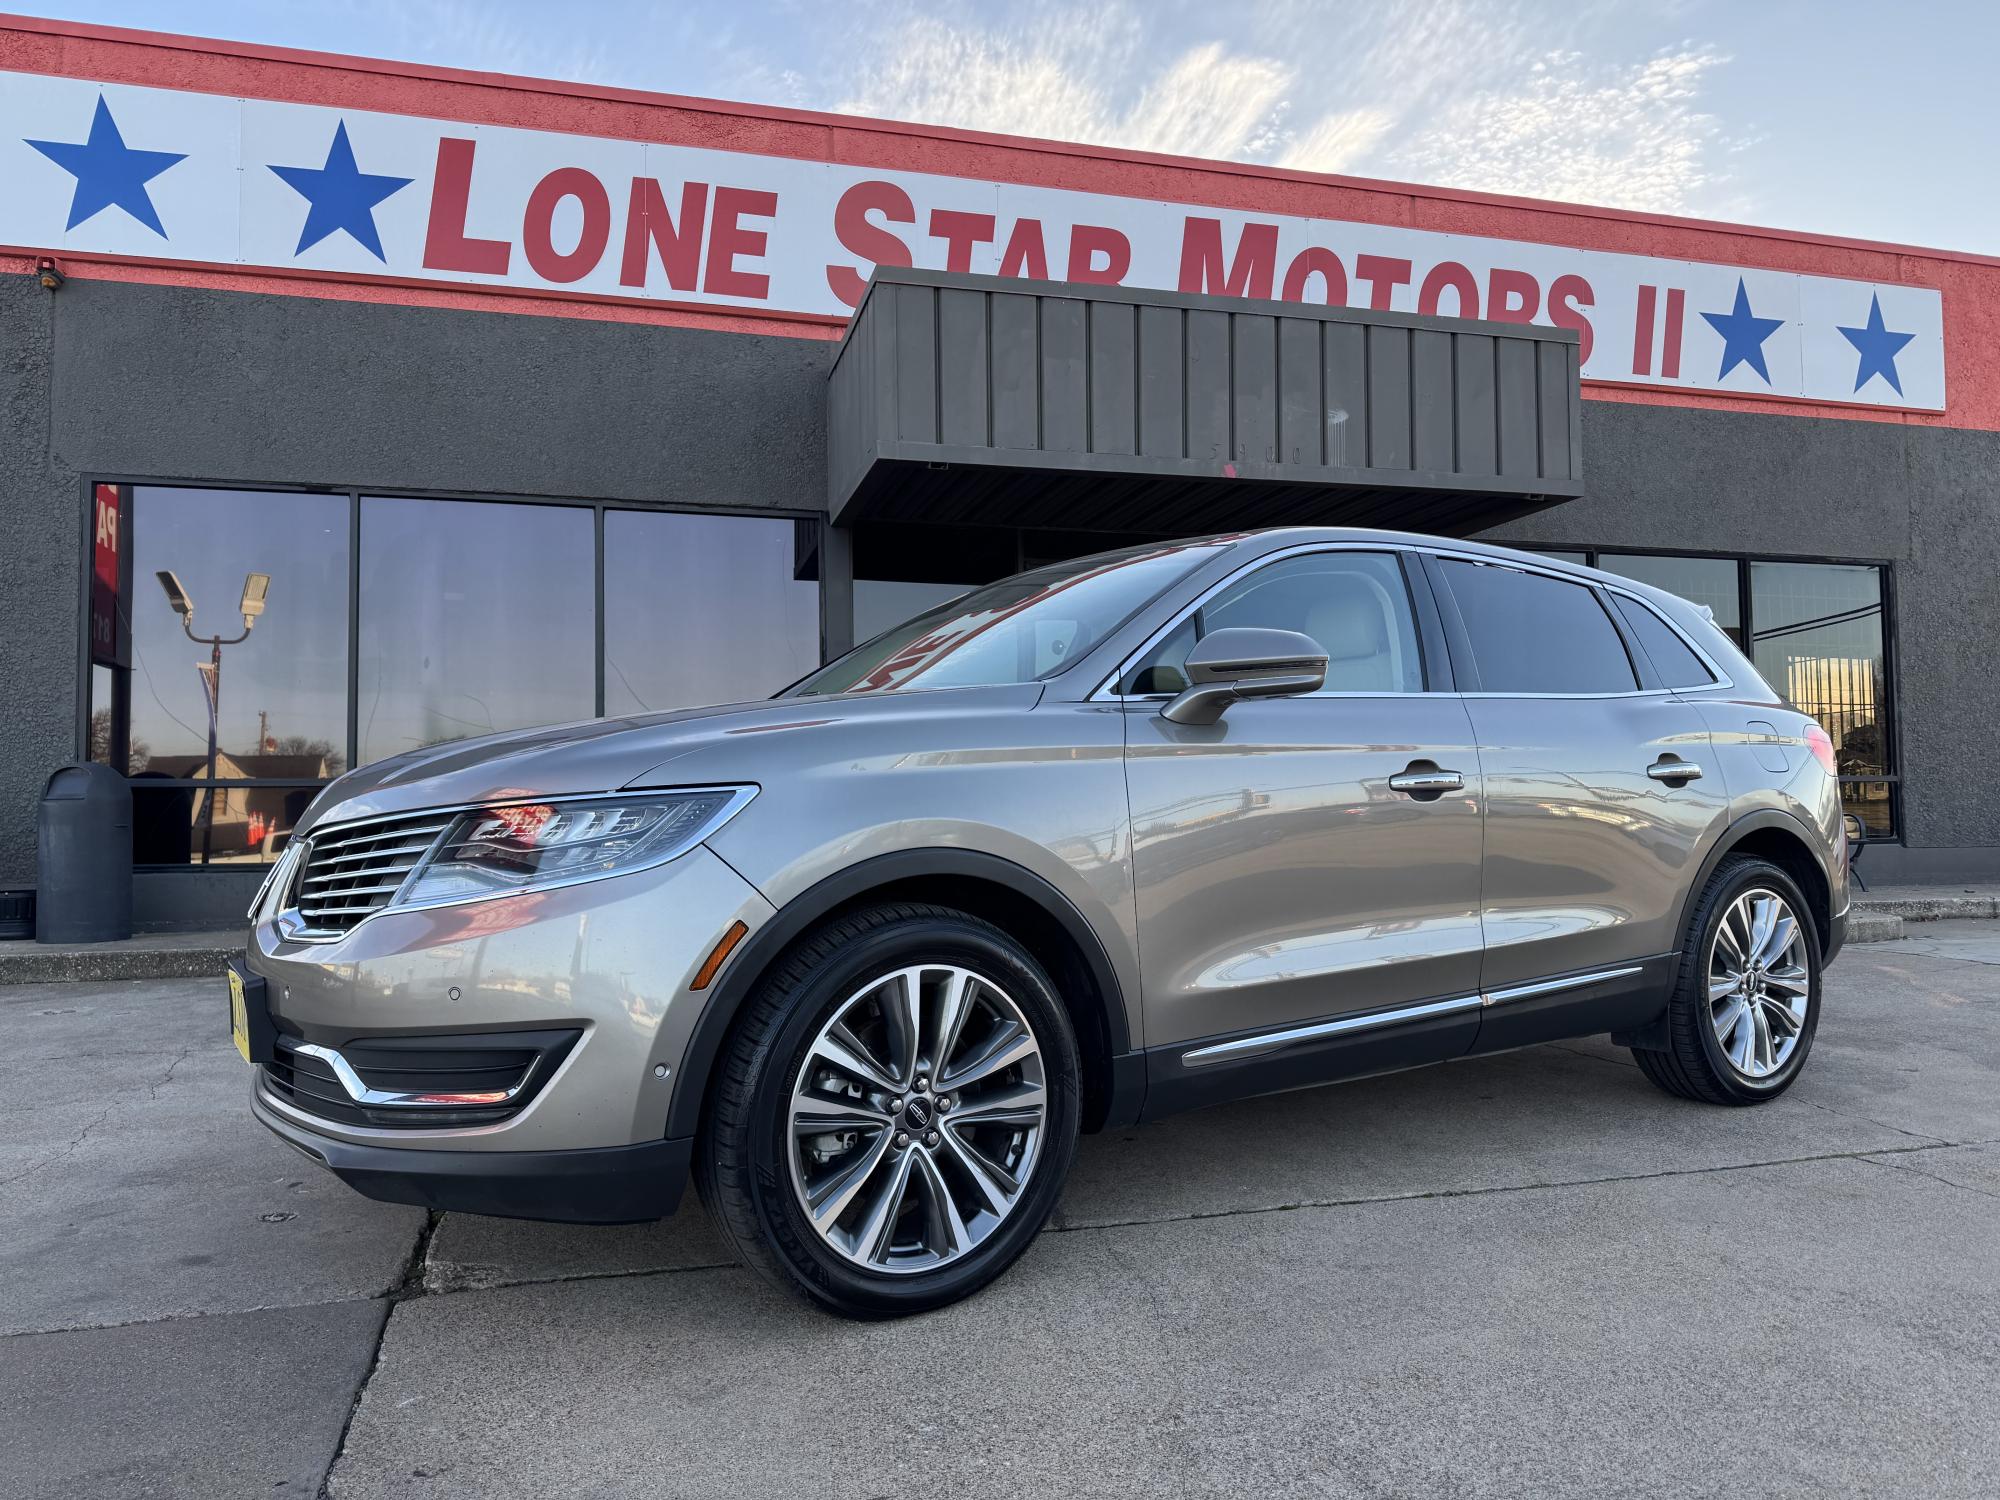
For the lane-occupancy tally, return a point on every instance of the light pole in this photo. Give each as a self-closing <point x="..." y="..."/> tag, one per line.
<point x="255" y="587"/>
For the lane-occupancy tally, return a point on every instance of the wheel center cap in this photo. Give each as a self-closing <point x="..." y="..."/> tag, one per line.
<point x="918" y="1114"/>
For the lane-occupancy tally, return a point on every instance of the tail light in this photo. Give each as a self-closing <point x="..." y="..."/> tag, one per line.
<point x="1821" y="746"/>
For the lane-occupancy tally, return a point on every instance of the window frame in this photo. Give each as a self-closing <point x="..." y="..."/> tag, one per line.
<point x="354" y="494"/>
<point x="1434" y="659"/>
<point x="1892" y="777"/>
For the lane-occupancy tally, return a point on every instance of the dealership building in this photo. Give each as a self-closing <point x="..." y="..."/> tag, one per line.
<point x="351" y="407"/>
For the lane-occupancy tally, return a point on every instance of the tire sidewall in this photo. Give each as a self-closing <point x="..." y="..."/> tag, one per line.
<point x="929" y="939"/>
<point x="1753" y="875"/>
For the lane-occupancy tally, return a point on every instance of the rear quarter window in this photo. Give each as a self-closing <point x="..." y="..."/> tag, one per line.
<point x="1671" y="656"/>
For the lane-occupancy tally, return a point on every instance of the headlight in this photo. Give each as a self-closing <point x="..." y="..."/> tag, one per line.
<point x="527" y="846"/>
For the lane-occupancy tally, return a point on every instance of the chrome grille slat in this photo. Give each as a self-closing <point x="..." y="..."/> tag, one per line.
<point x="366" y="872"/>
<point x="339" y="840"/>
<point x="310" y="903"/>
<point x="342" y="859"/>
<point x="352" y="873"/>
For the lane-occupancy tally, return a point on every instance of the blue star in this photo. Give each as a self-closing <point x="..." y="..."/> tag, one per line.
<point x="342" y="197"/>
<point x="1878" y="348"/>
<point x="108" y="172"/>
<point x="1743" y="335"/>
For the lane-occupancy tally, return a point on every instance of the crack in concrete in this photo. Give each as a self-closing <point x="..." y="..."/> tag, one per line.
<point x="1515" y="1187"/>
<point x="62" y="1155"/>
<point x="1848" y="1114"/>
<point x="409" y="1285"/>
<point x="153" y="1089"/>
<point x="1964" y="1187"/>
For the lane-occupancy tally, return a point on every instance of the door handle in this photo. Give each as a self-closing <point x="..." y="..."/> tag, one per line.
<point x="1429" y="782"/>
<point x="1669" y="769"/>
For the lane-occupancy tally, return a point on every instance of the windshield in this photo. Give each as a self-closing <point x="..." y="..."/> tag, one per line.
<point x="1020" y="629"/>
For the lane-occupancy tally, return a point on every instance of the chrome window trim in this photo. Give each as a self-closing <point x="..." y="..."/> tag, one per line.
<point x="1259" y="1043"/>
<point x="1105" y="692"/>
<point x="292" y="926"/>
<point x="1610" y="584"/>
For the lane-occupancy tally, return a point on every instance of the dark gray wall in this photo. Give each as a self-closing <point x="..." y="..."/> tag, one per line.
<point x="1926" y="500"/>
<point x="168" y="383"/>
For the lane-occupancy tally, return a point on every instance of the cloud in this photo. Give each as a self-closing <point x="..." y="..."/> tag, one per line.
<point x="1631" y="137"/>
<point x="1060" y="77"/>
<point x="1339" y="142"/>
<point x="1461" y="93"/>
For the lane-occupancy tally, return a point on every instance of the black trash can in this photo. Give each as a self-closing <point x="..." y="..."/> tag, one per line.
<point x="83" y="888"/>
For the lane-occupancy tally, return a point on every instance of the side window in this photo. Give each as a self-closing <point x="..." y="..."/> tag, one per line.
<point x="1356" y="605"/>
<point x="1536" y="634"/>
<point x="1671" y="657"/>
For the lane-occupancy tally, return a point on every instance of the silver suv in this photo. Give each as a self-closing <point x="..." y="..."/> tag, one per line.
<point x="1114" y="838"/>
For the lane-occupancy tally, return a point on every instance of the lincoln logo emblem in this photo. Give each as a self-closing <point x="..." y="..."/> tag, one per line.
<point x="918" y="1113"/>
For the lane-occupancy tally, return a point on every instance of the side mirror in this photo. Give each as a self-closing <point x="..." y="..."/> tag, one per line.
<point x="1226" y="665"/>
<point x="1857" y="831"/>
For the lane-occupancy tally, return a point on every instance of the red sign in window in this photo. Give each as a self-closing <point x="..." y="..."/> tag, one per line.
<point x="109" y="640"/>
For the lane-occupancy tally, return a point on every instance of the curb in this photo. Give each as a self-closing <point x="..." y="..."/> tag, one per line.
<point x="1873" y="926"/>
<point x="1931" y="908"/>
<point x="51" y="965"/>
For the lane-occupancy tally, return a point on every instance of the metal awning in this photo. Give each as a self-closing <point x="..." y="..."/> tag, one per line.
<point x="966" y="399"/>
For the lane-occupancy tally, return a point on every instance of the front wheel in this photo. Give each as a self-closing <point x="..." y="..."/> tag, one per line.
<point x="894" y="1116"/>
<point x="1746" y="1004"/>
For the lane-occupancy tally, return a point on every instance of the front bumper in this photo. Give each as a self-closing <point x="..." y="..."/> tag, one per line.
<point x="607" y="1185"/>
<point x="610" y="962"/>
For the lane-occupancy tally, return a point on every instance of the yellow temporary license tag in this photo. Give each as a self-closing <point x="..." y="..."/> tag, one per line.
<point x="239" y="1016"/>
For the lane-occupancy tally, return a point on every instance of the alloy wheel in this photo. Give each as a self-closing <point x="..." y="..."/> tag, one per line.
<point x="1759" y="983"/>
<point x="916" y="1118"/>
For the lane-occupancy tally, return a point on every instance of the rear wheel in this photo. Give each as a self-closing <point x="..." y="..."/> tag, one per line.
<point x="895" y="1114"/>
<point x="1746" y="1006"/>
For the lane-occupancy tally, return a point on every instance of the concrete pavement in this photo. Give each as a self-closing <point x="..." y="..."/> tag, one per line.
<point x="1529" y="1274"/>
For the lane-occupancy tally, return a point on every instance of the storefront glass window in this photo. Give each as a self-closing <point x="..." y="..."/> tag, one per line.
<point x="1818" y="640"/>
<point x="1700" y="580"/>
<point x="702" y="609"/>
<point x="279" y="687"/>
<point x="467" y="617"/>
<point x="475" y="617"/>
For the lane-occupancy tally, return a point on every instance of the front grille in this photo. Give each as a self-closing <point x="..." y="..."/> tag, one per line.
<point x="419" y="1065"/>
<point x="353" y="871"/>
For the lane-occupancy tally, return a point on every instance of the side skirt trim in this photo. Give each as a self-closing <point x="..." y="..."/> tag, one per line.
<point x="1261" y="1043"/>
<point x="1293" y="1036"/>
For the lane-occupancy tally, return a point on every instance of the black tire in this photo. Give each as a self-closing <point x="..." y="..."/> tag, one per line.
<point x="1693" y="1064"/>
<point x="742" y="1171"/>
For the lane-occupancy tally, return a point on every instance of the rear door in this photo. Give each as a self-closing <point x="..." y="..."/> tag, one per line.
<point x="1600" y="792"/>
<point x="1283" y="875"/>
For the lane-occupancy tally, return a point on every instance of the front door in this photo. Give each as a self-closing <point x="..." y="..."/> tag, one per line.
<point x="1283" y="878"/>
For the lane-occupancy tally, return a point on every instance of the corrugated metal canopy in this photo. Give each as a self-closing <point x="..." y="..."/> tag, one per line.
<point x="968" y="399"/>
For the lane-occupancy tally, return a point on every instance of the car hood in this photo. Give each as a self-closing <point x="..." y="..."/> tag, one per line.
<point x="687" y="747"/>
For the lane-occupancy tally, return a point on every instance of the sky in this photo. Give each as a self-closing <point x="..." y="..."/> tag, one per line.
<point x="1829" y="116"/>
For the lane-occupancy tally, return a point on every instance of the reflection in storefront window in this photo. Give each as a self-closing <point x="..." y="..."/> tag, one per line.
<point x="476" y="616"/>
<point x="222" y="826"/>
<point x="1818" y="639"/>
<point x="702" y="609"/>
<point x="1700" y="580"/>
<point x="278" y="691"/>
